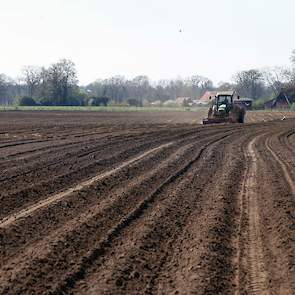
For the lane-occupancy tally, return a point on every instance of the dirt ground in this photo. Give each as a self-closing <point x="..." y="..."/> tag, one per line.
<point x="146" y="203"/>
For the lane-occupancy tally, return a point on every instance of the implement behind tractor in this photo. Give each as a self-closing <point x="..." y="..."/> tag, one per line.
<point x="223" y="110"/>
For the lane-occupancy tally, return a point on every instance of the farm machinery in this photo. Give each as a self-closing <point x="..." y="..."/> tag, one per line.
<point x="224" y="110"/>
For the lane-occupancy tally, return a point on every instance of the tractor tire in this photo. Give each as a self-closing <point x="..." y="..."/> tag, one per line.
<point x="241" y="118"/>
<point x="238" y="114"/>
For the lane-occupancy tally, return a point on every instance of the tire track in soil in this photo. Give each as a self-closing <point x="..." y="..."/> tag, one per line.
<point x="107" y="197"/>
<point x="277" y="207"/>
<point x="64" y="176"/>
<point x="268" y="157"/>
<point x="136" y="212"/>
<point x="283" y="166"/>
<point x="98" y="207"/>
<point x="258" y="277"/>
<point x="153" y="235"/>
<point x="73" y="151"/>
<point x="105" y="243"/>
<point x="55" y="198"/>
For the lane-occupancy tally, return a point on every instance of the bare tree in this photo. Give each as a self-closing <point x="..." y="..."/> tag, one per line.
<point x="275" y="78"/>
<point x="199" y="82"/>
<point x="196" y="85"/>
<point x="3" y="89"/>
<point x="7" y="90"/>
<point x="291" y="73"/>
<point x="293" y="57"/>
<point x="249" y="83"/>
<point x="96" y="88"/>
<point x="141" y="87"/>
<point x="32" y="78"/>
<point x="62" y="79"/>
<point x="115" y="88"/>
<point x="225" y="86"/>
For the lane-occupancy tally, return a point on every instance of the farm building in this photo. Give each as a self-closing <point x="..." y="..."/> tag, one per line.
<point x="184" y="101"/>
<point x="206" y="96"/>
<point x="269" y="104"/>
<point x="169" y="103"/>
<point x="284" y="99"/>
<point x="156" y="103"/>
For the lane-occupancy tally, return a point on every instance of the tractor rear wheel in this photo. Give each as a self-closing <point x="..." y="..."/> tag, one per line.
<point x="241" y="117"/>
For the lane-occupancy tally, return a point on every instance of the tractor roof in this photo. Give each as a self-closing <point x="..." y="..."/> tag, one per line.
<point x="230" y="93"/>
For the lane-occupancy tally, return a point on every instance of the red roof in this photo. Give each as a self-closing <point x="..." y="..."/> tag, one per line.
<point x="207" y="94"/>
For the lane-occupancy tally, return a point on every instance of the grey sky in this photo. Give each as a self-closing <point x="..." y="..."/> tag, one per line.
<point x="108" y="37"/>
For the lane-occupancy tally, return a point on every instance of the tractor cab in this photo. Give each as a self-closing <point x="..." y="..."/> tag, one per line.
<point x="222" y="104"/>
<point x="224" y="99"/>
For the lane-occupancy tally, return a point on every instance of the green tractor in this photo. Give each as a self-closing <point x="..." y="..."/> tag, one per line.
<point x="224" y="110"/>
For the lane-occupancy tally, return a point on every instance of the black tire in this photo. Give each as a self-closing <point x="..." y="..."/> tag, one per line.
<point x="241" y="117"/>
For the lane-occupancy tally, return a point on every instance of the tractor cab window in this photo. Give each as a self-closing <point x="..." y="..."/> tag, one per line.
<point x="223" y="99"/>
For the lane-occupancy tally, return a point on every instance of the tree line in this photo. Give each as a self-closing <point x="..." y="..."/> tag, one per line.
<point x="57" y="85"/>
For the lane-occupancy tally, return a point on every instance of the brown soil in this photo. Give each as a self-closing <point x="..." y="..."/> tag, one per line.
<point x="145" y="203"/>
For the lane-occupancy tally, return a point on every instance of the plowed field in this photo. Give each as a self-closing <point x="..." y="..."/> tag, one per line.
<point x="146" y="203"/>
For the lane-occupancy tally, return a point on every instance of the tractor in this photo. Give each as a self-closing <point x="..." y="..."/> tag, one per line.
<point x="224" y="110"/>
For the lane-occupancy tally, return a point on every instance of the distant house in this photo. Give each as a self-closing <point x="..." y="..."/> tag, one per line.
<point x="284" y="99"/>
<point x="169" y="103"/>
<point x="184" y="101"/>
<point x="156" y="103"/>
<point x="206" y="96"/>
<point x="199" y="103"/>
<point x="244" y="102"/>
<point x="269" y="104"/>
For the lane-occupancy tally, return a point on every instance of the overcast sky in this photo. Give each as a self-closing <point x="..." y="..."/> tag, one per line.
<point x="131" y="37"/>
